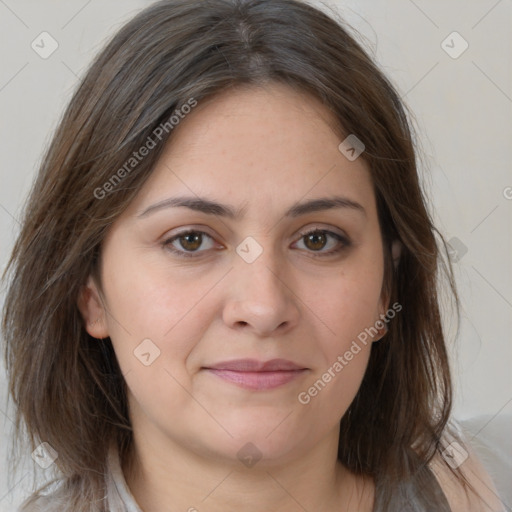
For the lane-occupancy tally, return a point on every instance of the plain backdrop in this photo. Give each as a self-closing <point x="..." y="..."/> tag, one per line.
<point x="450" y="60"/>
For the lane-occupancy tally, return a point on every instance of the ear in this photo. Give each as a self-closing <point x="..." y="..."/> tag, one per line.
<point x="396" y="251"/>
<point x="93" y="312"/>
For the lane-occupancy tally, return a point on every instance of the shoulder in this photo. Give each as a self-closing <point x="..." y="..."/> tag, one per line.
<point x="480" y="495"/>
<point x="39" y="504"/>
<point x="54" y="501"/>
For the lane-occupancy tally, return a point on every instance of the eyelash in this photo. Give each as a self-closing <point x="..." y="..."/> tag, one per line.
<point x="345" y="243"/>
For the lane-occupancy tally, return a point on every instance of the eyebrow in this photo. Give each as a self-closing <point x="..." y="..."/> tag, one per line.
<point x="210" y="207"/>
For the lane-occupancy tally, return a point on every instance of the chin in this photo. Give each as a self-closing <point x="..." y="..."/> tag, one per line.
<point x="263" y="443"/>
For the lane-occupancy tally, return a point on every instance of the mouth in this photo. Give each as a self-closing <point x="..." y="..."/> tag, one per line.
<point x="257" y="375"/>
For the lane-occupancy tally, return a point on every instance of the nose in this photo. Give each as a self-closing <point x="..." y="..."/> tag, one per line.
<point x="261" y="298"/>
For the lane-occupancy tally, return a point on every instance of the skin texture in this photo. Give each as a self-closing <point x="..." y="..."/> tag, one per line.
<point x="260" y="150"/>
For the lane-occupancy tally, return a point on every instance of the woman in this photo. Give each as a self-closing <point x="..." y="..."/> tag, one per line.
<point x="224" y="293"/>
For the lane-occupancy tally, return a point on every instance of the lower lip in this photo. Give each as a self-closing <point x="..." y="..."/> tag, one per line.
<point x="258" y="380"/>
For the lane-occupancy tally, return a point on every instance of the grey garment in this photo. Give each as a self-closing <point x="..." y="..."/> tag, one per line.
<point x="409" y="497"/>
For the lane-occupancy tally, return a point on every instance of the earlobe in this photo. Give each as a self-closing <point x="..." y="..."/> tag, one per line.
<point x="382" y="332"/>
<point x="396" y="251"/>
<point x="92" y="310"/>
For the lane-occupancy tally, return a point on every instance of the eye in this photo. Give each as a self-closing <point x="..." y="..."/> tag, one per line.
<point x="189" y="241"/>
<point x="318" y="239"/>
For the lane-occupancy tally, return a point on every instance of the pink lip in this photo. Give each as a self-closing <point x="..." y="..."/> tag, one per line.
<point x="254" y="374"/>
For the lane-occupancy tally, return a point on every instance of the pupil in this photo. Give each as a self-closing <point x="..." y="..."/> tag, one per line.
<point x="318" y="240"/>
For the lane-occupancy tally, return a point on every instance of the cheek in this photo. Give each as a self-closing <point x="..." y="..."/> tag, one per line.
<point x="146" y="304"/>
<point x="148" y="296"/>
<point x="344" y="374"/>
<point x="330" y="390"/>
<point x="154" y="327"/>
<point x="335" y="383"/>
<point x="348" y="305"/>
<point x="349" y="302"/>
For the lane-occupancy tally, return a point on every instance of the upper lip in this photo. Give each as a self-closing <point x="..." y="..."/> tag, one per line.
<point x="253" y="365"/>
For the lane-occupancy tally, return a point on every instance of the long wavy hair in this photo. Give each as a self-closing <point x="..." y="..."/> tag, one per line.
<point x="68" y="390"/>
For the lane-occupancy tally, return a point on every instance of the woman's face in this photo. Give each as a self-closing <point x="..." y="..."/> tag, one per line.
<point x="247" y="283"/>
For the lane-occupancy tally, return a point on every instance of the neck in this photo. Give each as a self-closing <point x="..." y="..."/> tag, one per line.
<point x="184" y="480"/>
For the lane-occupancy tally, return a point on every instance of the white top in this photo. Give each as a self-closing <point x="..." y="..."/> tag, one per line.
<point x="119" y="497"/>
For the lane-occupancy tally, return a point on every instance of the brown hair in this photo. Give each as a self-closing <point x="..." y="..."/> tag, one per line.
<point x="68" y="390"/>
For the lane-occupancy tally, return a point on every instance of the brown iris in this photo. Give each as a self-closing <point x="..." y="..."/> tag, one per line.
<point x="192" y="241"/>
<point x="315" y="240"/>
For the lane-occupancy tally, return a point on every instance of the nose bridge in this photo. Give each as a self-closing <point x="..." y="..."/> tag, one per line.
<point x="262" y="280"/>
<point x="259" y="297"/>
<point x="256" y="255"/>
<point x="258" y="271"/>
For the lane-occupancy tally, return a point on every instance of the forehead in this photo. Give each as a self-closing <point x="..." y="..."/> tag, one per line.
<point x="266" y="146"/>
<point x="273" y="120"/>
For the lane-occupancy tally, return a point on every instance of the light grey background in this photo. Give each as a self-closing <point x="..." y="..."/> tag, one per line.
<point x="463" y="108"/>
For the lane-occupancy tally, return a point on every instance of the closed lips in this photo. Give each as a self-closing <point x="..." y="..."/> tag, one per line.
<point x="253" y="365"/>
<point x="257" y="375"/>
